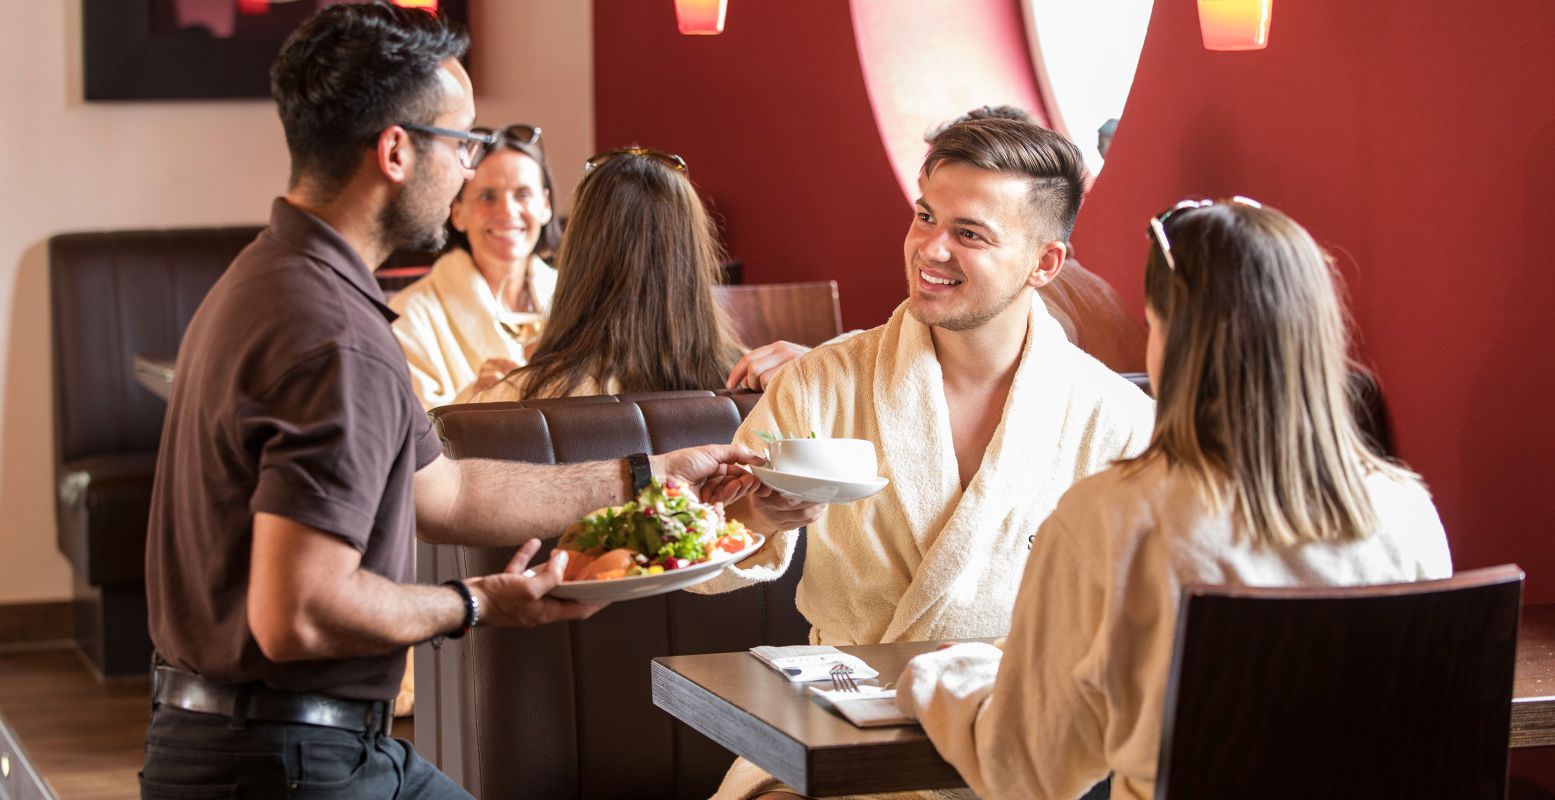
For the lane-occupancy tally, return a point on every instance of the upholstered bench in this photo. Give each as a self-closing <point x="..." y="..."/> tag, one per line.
<point x="113" y="296"/>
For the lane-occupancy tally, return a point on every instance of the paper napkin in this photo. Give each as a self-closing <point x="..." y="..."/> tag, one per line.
<point x="801" y="663"/>
<point x="869" y="707"/>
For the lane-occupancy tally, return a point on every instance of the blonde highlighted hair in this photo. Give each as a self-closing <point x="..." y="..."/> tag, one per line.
<point x="1253" y="397"/>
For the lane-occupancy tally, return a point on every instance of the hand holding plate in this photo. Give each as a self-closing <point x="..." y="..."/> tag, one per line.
<point x="516" y="597"/>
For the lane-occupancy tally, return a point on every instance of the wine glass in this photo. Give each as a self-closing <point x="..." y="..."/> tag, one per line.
<point x="516" y="314"/>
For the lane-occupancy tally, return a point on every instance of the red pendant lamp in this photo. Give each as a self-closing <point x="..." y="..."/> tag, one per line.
<point x="701" y="17"/>
<point x="1235" y="24"/>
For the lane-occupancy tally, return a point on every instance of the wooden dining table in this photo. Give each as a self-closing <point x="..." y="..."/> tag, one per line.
<point x="751" y="710"/>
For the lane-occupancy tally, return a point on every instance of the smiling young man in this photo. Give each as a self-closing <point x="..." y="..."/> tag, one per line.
<point x="982" y="412"/>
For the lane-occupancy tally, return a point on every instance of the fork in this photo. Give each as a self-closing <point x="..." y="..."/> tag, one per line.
<point x="842" y="678"/>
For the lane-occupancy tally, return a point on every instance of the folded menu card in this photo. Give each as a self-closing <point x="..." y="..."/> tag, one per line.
<point x="800" y="663"/>
<point x="869" y="707"/>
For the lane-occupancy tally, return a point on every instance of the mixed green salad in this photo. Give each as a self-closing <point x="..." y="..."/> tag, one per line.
<point x="664" y="528"/>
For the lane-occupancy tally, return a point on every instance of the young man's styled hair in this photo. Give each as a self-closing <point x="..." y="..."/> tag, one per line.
<point x="1253" y="391"/>
<point x="982" y="112"/>
<point x="634" y="288"/>
<point x="1051" y="164"/>
<point x="351" y="71"/>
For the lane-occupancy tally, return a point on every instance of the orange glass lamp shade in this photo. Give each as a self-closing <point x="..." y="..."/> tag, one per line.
<point x="701" y="17"/>
<point x="1235" y="24"/>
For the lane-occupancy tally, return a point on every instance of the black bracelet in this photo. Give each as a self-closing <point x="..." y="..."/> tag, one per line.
<point x="472" y="608"/>
<point x="642" y="472"/>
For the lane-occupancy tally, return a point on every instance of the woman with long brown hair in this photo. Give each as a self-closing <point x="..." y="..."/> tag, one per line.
<point x="634" y="308"/>
<point x="1256" y="475"/>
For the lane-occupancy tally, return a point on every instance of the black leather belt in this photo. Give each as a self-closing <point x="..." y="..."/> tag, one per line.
<point x="174" y="687"/>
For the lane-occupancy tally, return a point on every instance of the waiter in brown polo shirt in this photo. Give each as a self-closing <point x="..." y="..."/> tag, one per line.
<point x="296" y="461"/>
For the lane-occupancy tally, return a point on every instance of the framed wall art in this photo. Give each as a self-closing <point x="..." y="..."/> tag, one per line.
<point x="196" y="49"/>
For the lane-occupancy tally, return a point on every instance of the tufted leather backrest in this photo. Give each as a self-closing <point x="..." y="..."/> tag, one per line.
<point x="116" y="295"/>
<point x="566" y="710"/>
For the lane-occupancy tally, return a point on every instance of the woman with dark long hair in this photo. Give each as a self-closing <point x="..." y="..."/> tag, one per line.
<point x="634" y="308"/>
<point x="1256" y="475"/>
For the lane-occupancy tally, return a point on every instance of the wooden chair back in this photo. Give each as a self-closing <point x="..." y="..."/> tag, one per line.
<point x="1402" y="690"/>
<point x="803" y="313"/>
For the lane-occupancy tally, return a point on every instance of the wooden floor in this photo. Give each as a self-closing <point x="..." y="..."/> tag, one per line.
<point x="85" y="738"/>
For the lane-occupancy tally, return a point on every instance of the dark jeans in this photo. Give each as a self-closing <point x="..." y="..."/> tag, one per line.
<point x="191" y="755"/>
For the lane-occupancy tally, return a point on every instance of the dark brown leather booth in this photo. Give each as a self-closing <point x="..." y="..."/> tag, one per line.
<point x="565" y="711"/>
<point x="113" y="296"/>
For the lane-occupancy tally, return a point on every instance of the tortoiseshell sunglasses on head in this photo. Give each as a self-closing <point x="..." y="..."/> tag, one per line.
<point x="670" y="160"/>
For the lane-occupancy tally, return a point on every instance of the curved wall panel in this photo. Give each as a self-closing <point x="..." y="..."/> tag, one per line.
<point x="928" y="61"/>
<point x="803" y="122"/>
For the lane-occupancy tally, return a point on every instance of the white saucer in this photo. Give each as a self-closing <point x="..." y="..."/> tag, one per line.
<point x="818" y="490"/>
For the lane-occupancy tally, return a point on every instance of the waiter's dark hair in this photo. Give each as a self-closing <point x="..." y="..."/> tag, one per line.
<point x="349" y="72"/>
<point x="1051" y="164"/>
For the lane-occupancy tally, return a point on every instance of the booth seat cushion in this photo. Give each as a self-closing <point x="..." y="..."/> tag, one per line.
<point x="103" y="501"/>
<point x="566" y="710"/>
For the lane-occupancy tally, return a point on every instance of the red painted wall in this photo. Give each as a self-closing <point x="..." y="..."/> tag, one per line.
<point x="774" y="120"/>
<point x="1416" y="140"/>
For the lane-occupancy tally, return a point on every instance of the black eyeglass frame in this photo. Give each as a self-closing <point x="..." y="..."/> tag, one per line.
<point x="667" y="159"/>
<point x="473" y="145"/>
<point x="1158" y="222"/>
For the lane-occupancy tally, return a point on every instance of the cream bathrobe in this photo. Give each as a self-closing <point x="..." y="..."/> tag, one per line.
<point x="924" y="560"/>
<point x="1082" y="682"/>
<point x="447" y="329"/>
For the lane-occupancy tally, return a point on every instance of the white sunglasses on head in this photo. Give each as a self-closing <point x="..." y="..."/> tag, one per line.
<point x="1158" y="222"/>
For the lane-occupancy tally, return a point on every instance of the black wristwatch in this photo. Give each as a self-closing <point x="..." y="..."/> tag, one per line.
<point x="642" y="472"/>
<point x="472" y="613"/>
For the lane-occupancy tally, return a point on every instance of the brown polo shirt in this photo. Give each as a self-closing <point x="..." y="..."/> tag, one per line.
<point x="292" y="398"/>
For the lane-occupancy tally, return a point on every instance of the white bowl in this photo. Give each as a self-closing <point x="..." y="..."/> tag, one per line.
<point x="850" y="460"/>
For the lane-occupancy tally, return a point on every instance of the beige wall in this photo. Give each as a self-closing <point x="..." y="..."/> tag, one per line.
<point x="66" y="165"/>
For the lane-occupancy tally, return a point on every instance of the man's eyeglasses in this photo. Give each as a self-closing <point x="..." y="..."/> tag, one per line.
<point x="1158" y="222"/>
<point x="522" y="135"/>
<point x="670" y="160"/>
<point x="472" y="144"/>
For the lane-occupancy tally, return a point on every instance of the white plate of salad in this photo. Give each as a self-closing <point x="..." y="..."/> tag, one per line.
<point x="662" y="541"/>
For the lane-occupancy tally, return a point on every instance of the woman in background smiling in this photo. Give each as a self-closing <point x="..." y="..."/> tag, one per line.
<point x="501" y="224"/>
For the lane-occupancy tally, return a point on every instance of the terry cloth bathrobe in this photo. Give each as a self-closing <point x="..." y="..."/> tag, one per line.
<point x="923" y="560"/>
<point x="447" y="329"/>
<point x="1082" y="683"/>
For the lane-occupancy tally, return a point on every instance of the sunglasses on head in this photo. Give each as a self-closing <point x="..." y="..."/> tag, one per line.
<point x="670" y="160"/>
<point x="524" y="135"/>
<point x="1158" y="222"/>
